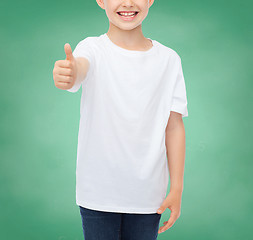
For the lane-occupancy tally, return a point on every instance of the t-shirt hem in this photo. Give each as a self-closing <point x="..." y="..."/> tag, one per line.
<point x="115" y="209"/>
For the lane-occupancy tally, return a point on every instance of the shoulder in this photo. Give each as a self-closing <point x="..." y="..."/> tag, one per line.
<point x="167" y="51"/>
<point x="88" y="40"/>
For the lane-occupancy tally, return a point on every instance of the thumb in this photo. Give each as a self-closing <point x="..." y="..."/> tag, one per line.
<point x="161" y="209"/>
<point x="68" y="52"/>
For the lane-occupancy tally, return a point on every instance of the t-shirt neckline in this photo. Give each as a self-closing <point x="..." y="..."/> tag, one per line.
<point x="130" y="52"/>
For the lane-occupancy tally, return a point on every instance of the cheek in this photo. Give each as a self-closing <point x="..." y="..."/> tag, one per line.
<point x="110" y="14"/>
<point x="144" y="12"/>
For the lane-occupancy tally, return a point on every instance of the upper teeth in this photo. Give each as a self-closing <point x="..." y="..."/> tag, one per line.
<point x="126" y="14"/>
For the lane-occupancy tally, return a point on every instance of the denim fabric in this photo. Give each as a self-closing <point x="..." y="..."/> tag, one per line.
<point x="100" y="225"/>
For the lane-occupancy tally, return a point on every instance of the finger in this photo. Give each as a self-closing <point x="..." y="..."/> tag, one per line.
<point x="168" y="224"/>
<point x="63" y="64"/>
<point x="161" y="230"/>
<point x="62" y="85"/>
<point x="172" y="219"/>
<point x="64" y="79"/>
<point x="68" y="52"/>
<point x="63" y="71"/>
<point x="165" y="228"/>
<point x="162" y="208"/>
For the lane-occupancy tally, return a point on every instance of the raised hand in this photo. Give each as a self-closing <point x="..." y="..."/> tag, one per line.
<point x="65" y="71"/>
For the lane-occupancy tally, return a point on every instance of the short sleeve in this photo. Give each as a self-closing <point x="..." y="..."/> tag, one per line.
<point x="83" y="49"/>
<point x="179" y="99"/>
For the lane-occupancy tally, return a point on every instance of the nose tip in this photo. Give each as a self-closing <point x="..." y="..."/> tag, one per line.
<point x="128" y="2"/>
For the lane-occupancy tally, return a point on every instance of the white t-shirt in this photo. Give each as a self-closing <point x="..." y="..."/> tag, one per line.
<point x="125" y="105"/>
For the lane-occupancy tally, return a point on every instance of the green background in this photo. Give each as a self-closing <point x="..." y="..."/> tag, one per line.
<point x="39" y="122"/>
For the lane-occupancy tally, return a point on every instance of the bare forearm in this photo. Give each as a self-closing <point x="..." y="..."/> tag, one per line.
<point x="81" y="70"/>
<point x="175" y="146"/>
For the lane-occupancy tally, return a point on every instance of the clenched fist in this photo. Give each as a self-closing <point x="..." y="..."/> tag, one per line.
<point x="65" y="71"/>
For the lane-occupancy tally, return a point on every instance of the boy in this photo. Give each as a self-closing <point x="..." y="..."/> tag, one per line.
<point x="131" y="129"/>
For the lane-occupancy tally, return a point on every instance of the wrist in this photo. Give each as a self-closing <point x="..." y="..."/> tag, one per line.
<point x="177" y="190"/>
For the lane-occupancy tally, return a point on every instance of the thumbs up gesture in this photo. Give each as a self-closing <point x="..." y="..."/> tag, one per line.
<point x="65" y="71"/>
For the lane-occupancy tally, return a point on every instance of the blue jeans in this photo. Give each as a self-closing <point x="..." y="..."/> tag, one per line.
<point x="99" y="225"/>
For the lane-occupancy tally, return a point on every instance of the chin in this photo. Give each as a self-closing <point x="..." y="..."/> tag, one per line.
<point x="125" y="27"/>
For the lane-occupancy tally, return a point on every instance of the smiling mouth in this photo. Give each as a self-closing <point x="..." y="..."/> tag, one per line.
<point x="130" y="15"/>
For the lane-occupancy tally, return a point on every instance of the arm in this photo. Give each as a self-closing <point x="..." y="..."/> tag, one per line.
<point x="82" y="69"/>
<point x="175" y="148"/>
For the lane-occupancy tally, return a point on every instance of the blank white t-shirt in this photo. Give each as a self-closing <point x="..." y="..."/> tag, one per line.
<point x="125" y="105"/>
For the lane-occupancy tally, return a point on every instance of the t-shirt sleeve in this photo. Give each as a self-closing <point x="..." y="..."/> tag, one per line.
<point x="179" y="99"/>
<point x="83" y="49"/>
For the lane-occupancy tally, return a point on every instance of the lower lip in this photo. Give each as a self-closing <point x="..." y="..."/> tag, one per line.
<point x="127" y="18"/>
